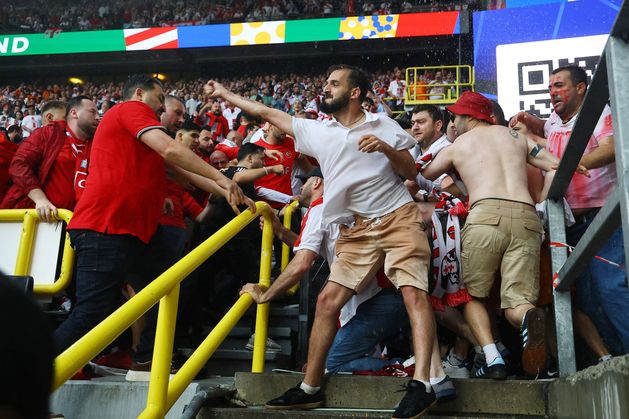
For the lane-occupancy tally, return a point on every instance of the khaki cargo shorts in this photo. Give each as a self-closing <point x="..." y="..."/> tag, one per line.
<point x="396" y="240"/>
<point x="502" y="236"/>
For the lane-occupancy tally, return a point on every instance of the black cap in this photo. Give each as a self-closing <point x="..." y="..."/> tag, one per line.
<point x="314" y="172"/>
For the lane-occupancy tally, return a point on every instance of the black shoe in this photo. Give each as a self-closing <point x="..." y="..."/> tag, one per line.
<point x="416" y="402"/>
<point x="533" y="332"/>
<point x="496" y="371"/>
<point x="296" y="398"/>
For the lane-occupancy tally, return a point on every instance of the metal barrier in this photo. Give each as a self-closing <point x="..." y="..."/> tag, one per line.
<point x="610" y="81"/>
<point x="288" y="217"/>
<point x="418" y="92"/>
<point x="29" y="220"/>
<point x="163" y="393"/>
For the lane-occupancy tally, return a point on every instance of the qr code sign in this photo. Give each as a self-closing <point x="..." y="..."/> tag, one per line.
<point x="523" y="70"/>
<point x="534" y="78"/>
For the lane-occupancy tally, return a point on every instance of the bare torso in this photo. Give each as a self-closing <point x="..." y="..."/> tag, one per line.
<point x="491" y="161"/>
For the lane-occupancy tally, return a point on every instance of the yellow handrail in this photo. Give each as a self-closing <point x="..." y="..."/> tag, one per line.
<point x="288" y="214"/>
<point x="25" y="249"/>
<point x="165" y="287"/>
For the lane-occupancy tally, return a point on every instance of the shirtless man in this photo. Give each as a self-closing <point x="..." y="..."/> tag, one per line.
<point x="503" y="231"/>
<point x="362" y="157"/>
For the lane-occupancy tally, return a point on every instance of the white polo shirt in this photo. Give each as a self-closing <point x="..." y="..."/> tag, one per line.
<point x="357" y="183"/>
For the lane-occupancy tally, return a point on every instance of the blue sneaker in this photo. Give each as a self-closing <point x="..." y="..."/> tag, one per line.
<point x="444" y="390"/>
<point x="497" y="370"/>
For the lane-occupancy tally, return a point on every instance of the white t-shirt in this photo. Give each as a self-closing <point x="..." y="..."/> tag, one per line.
<point x="31" y="122"/>
<point x="231" y="116"/>
<point x="583" y="191"/>
<point x="357" y="183"/>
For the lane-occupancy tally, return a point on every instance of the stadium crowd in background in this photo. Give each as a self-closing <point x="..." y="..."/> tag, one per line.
<point x="44" y="145"/>
<point x="30" y="16"/>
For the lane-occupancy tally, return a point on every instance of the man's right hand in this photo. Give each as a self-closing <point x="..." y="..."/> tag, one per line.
<point x="277" y="169"/>
<point x="214" y="89"/>
<point x="46" y="210"/>
<point x="277" y="224"/>
<point x="526" y="118"/>
<point x="256" y="292"/>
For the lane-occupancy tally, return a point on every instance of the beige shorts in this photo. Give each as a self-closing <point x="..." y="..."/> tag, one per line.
<point x="395" y="240"/>
<point x="502" y="236"/>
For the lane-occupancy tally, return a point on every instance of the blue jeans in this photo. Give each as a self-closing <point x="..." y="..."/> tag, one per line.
<point x="102" y="261"/>
<point x="376" y="319"/>
<point x="601" y="289"/>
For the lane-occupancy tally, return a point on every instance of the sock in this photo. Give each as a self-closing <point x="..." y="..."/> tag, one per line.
<point x="502" y="348"/>
<point x="491" y="353"/>
<point x="455" y="360"/>
<point x="308" y="389"/>
<point x="426" y="384"/>
<point x="436" y="380"/>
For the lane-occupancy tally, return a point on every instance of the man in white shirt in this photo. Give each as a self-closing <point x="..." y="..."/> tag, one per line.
<point x="362" y="156"/>
<point x="30" y="122"/>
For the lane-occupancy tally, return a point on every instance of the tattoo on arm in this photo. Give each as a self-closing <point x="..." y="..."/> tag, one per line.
<point x="513" y="133"/>
<point x="535" y="151"/>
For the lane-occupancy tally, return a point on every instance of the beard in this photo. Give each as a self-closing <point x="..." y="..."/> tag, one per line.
<point x="88" y="129"/>
<point x="335" y="105"/>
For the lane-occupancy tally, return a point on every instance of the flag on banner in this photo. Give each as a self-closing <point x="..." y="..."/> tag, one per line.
<point x="151" y="38"/>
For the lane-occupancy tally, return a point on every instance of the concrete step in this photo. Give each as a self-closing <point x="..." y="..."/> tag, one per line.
<point x="475" y="397"/>
<point x="115" y="398"/>
<point x="261" y="413"/>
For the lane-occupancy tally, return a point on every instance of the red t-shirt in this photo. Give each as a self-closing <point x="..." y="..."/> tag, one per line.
<point x="7" y="151"/>
<point x="280" y="183"/>
<point x="124" y="192"/>
<point x="66" y="179"/>
<point x="230" y="152"/>
<point x="183" y="205"/>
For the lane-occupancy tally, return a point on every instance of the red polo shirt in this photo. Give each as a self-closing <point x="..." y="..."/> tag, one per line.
<point x="124" y="191"/>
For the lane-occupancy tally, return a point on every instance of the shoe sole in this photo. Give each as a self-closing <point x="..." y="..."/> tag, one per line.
<point x="534" y="353"/>
<point x="312" y="405"/>
<point x="422" y="413"/>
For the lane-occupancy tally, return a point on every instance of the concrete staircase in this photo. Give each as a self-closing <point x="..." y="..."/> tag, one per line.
<point x="601" y="391"/>
<point x="232" y="356"/>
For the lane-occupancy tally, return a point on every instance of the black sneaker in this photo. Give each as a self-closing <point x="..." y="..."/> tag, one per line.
<point x="416" y="402"/>
<point x="533" y="332"/>
<point x="296" y="398"/>
<point x="495" y="371"/>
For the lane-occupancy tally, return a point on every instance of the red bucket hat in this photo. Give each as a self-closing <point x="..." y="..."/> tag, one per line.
<point x="473" y="104"/>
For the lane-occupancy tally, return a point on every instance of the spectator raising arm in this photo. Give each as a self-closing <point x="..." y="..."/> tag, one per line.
<point x="280" y="119"/>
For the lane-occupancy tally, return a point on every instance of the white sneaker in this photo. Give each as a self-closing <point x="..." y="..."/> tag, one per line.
<point x="455" y="371"/>
<point x="271" y="345"/>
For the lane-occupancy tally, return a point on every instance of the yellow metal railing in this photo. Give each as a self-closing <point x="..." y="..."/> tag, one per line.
<point x="163" y="393"/>
<point x="29" y="220"/>
<point x="288" y="216"/>
<point x="418" y="91"/>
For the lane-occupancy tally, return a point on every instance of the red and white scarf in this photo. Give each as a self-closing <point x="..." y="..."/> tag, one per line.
<point x="448" y="287"/>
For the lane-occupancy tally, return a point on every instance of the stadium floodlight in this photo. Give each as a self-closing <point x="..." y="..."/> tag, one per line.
<point x="75" y="80"/>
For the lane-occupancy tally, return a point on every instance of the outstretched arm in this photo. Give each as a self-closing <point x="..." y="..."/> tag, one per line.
<point x="280" y="119"/>
<point x="442" y="163"/>
<point x="295" y="270"/>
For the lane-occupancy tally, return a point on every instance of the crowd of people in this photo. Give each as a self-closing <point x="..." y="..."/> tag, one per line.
<point x="32" y="17"/>
<point x="22" y="106"/>
<point x="437" y="221"/>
